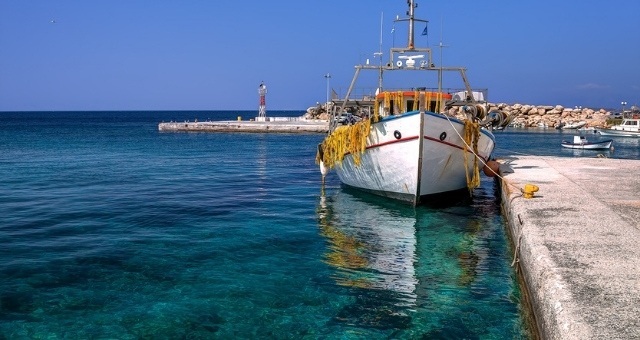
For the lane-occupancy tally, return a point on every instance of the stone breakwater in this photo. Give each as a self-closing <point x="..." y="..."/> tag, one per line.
<point x="522" y="115"/>
<point x="548" y="116"/>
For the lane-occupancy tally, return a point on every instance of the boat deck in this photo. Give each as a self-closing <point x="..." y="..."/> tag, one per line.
<point x="578" y="243"/>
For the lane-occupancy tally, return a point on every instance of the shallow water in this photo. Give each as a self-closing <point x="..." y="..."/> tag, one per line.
<point x="111" y="229"/>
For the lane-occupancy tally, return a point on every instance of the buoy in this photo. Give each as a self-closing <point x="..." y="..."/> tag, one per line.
<point x="528" y="190"/>
<point x="491" y="168"/>
<point x="323" y="171"/>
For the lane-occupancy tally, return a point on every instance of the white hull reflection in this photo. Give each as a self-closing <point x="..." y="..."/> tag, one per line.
<point x="371" y="247"/>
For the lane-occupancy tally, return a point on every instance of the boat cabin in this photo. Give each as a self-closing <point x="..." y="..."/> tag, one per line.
<point x="630" y="124"/>
<point x="390" y="103"/>
<point x="579" y="140"/>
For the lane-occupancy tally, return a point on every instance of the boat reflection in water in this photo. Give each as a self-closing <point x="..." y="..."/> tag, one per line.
<point x="371" y="247"/>
<point x="420" y="271"/>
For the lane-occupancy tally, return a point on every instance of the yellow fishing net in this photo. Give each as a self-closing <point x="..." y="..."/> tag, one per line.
<point x="471" y="137"/>
<point x="376" y="111"/>
<point x="348" y="139"/>
<point x="399" y="102"/>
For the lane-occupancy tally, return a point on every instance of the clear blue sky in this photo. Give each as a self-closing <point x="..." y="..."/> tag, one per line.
<point x="212" y="55"/>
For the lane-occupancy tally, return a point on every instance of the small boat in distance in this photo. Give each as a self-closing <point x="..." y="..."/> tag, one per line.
<point x="630" y="127"/>
<point x="408" y="145"/>
<point x="580" y="142"/>
<point x="573" y="126"/>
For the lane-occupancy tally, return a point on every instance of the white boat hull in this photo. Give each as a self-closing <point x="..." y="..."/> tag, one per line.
<point x="588" y="146"/>
<point x="630" y="127"/>
<point x="618" y="133"/>
<point x="399" y="164"/>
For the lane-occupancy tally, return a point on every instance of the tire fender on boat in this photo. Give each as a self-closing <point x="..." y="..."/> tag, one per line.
<point x="491" y="168"/>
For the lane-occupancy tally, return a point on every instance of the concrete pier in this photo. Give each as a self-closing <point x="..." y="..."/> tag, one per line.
<point x="282" y="126"/>
<point x="577" y="243"/>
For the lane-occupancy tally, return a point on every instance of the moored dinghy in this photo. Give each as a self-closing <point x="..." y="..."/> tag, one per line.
<point x="580" y="142"/>
<point x="405" y="147"/>
<point x="574" y="125"/>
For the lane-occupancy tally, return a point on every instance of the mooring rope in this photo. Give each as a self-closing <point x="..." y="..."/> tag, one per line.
<point x="469" y="148"/>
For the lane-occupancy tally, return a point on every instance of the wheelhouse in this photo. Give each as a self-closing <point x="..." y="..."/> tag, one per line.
<point x="390" y="103"/>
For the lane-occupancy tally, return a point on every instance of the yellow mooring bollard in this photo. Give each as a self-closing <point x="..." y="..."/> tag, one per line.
<point x="528" y="190"/>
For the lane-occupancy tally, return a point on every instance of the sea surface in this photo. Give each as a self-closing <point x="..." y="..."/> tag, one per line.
<point x="112" y="229"/>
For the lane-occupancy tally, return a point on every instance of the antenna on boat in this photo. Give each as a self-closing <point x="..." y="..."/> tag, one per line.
<point x="441" y="46"/>
<point x="379" y="54"/>
<point x="441" y="69"/>
<point x="393" y="32"/>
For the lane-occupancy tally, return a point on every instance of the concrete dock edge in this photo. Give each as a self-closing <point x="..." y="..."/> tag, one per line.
<point x="577" y="243"/>
<point x="294" y="126"/>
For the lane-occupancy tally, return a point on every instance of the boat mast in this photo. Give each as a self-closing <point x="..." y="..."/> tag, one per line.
<point x="412" y="6"/>
<point x="412" y="21"/>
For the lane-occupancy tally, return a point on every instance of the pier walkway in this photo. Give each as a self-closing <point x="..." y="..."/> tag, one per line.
<point x="284" y="126"/>
<point x="578" y="243"/>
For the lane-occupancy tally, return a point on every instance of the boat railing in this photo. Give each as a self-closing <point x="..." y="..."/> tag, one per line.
<point x="369" y="94"/>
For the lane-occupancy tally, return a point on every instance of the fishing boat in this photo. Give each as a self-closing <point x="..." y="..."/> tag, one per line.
<point x="580" y="142"/>
<point x="408" y="145"/>
<point x="630" y="127"/>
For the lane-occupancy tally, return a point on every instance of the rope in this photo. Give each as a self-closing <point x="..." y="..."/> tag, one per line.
<point x="480" y="158"/>
<point x="471" y="136"/>
<point x="517" y="249"/>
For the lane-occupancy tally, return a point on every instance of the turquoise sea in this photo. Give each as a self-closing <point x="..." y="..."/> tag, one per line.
<point x="110" y="229"/>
